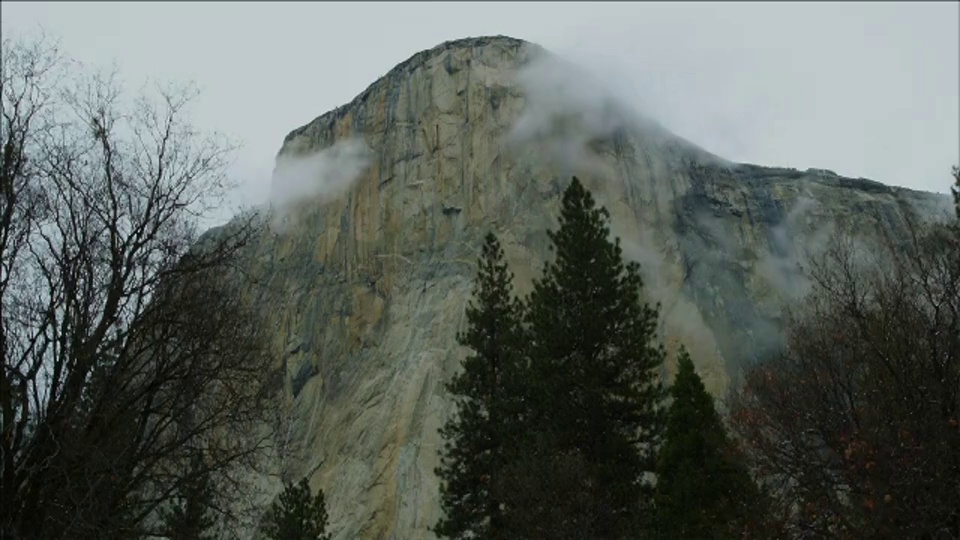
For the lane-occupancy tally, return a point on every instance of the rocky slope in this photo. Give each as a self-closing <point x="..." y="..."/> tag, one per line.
<point x="365" y="278"/>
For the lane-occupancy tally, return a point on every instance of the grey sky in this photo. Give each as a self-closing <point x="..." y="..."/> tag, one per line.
<point x="868" y="90"/>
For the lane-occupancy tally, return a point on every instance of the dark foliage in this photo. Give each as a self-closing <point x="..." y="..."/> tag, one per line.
<point x="485" y="393"/>
<point x="595" y="364"/>
<point x="703" y="488"/>
<point x="297" y="515"/>
<point x="189" y="516"/>
<point x="560" y="404"/>
<point x="855" y="427"/>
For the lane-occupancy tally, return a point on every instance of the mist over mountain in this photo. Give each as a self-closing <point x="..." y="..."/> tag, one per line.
<point x="377" y="213"/>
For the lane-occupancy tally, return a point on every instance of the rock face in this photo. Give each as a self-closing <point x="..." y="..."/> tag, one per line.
<point x="365" y="286"/>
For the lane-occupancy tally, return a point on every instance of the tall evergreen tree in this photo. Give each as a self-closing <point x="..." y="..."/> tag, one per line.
<point x="548" y="493"/>
<point x="485" y="396"/>
<point x="703" y="491"/>
<point x="596" y="365"/>
<point x="297" y="515"/>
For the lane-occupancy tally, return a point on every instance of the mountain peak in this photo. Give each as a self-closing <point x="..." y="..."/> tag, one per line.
<point x="480" y="41"/>
<point x="506" y="49"/>
<point x="499" y="41"/>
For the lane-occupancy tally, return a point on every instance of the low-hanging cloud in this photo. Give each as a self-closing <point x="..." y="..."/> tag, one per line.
<point x="317" y="177"/>
<point x="566" y="108"/>
<point x="781" y="267"/>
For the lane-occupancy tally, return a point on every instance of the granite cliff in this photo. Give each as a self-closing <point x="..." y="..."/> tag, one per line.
<point x="365" y="270"/>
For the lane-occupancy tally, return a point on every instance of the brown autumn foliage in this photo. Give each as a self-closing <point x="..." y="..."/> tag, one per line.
<point x="855" y="427"/>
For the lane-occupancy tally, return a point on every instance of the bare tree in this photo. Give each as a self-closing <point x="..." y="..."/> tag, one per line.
<point x="128" y="347"/>
<point x="855" y="427"/>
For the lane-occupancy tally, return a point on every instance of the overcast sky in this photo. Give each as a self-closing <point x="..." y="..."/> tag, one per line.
<point x="868" y="90"/>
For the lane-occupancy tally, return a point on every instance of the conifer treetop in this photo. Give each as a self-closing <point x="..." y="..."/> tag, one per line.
<point x="297" y="515"/>
<point x="485" y="398"/>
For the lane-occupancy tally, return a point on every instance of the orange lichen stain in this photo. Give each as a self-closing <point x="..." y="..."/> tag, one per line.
<point x="343" y="126"/>
<point x="327" y="243"/>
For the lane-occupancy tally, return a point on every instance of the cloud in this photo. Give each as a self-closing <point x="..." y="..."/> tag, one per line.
<point x="781" y="267"/>
<point x="566" y="108"/>
<point x="681" y="321"/>
<point x="317" y="177"/>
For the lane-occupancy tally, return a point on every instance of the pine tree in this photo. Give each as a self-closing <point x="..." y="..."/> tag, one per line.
<point x="702" y="490"/>
<point x="190" y="518"/>
<point x="297" y="515"/>
<point x="487" y="408"/>
<point x="595" y="363"/>
<point x="547" y="493"/>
